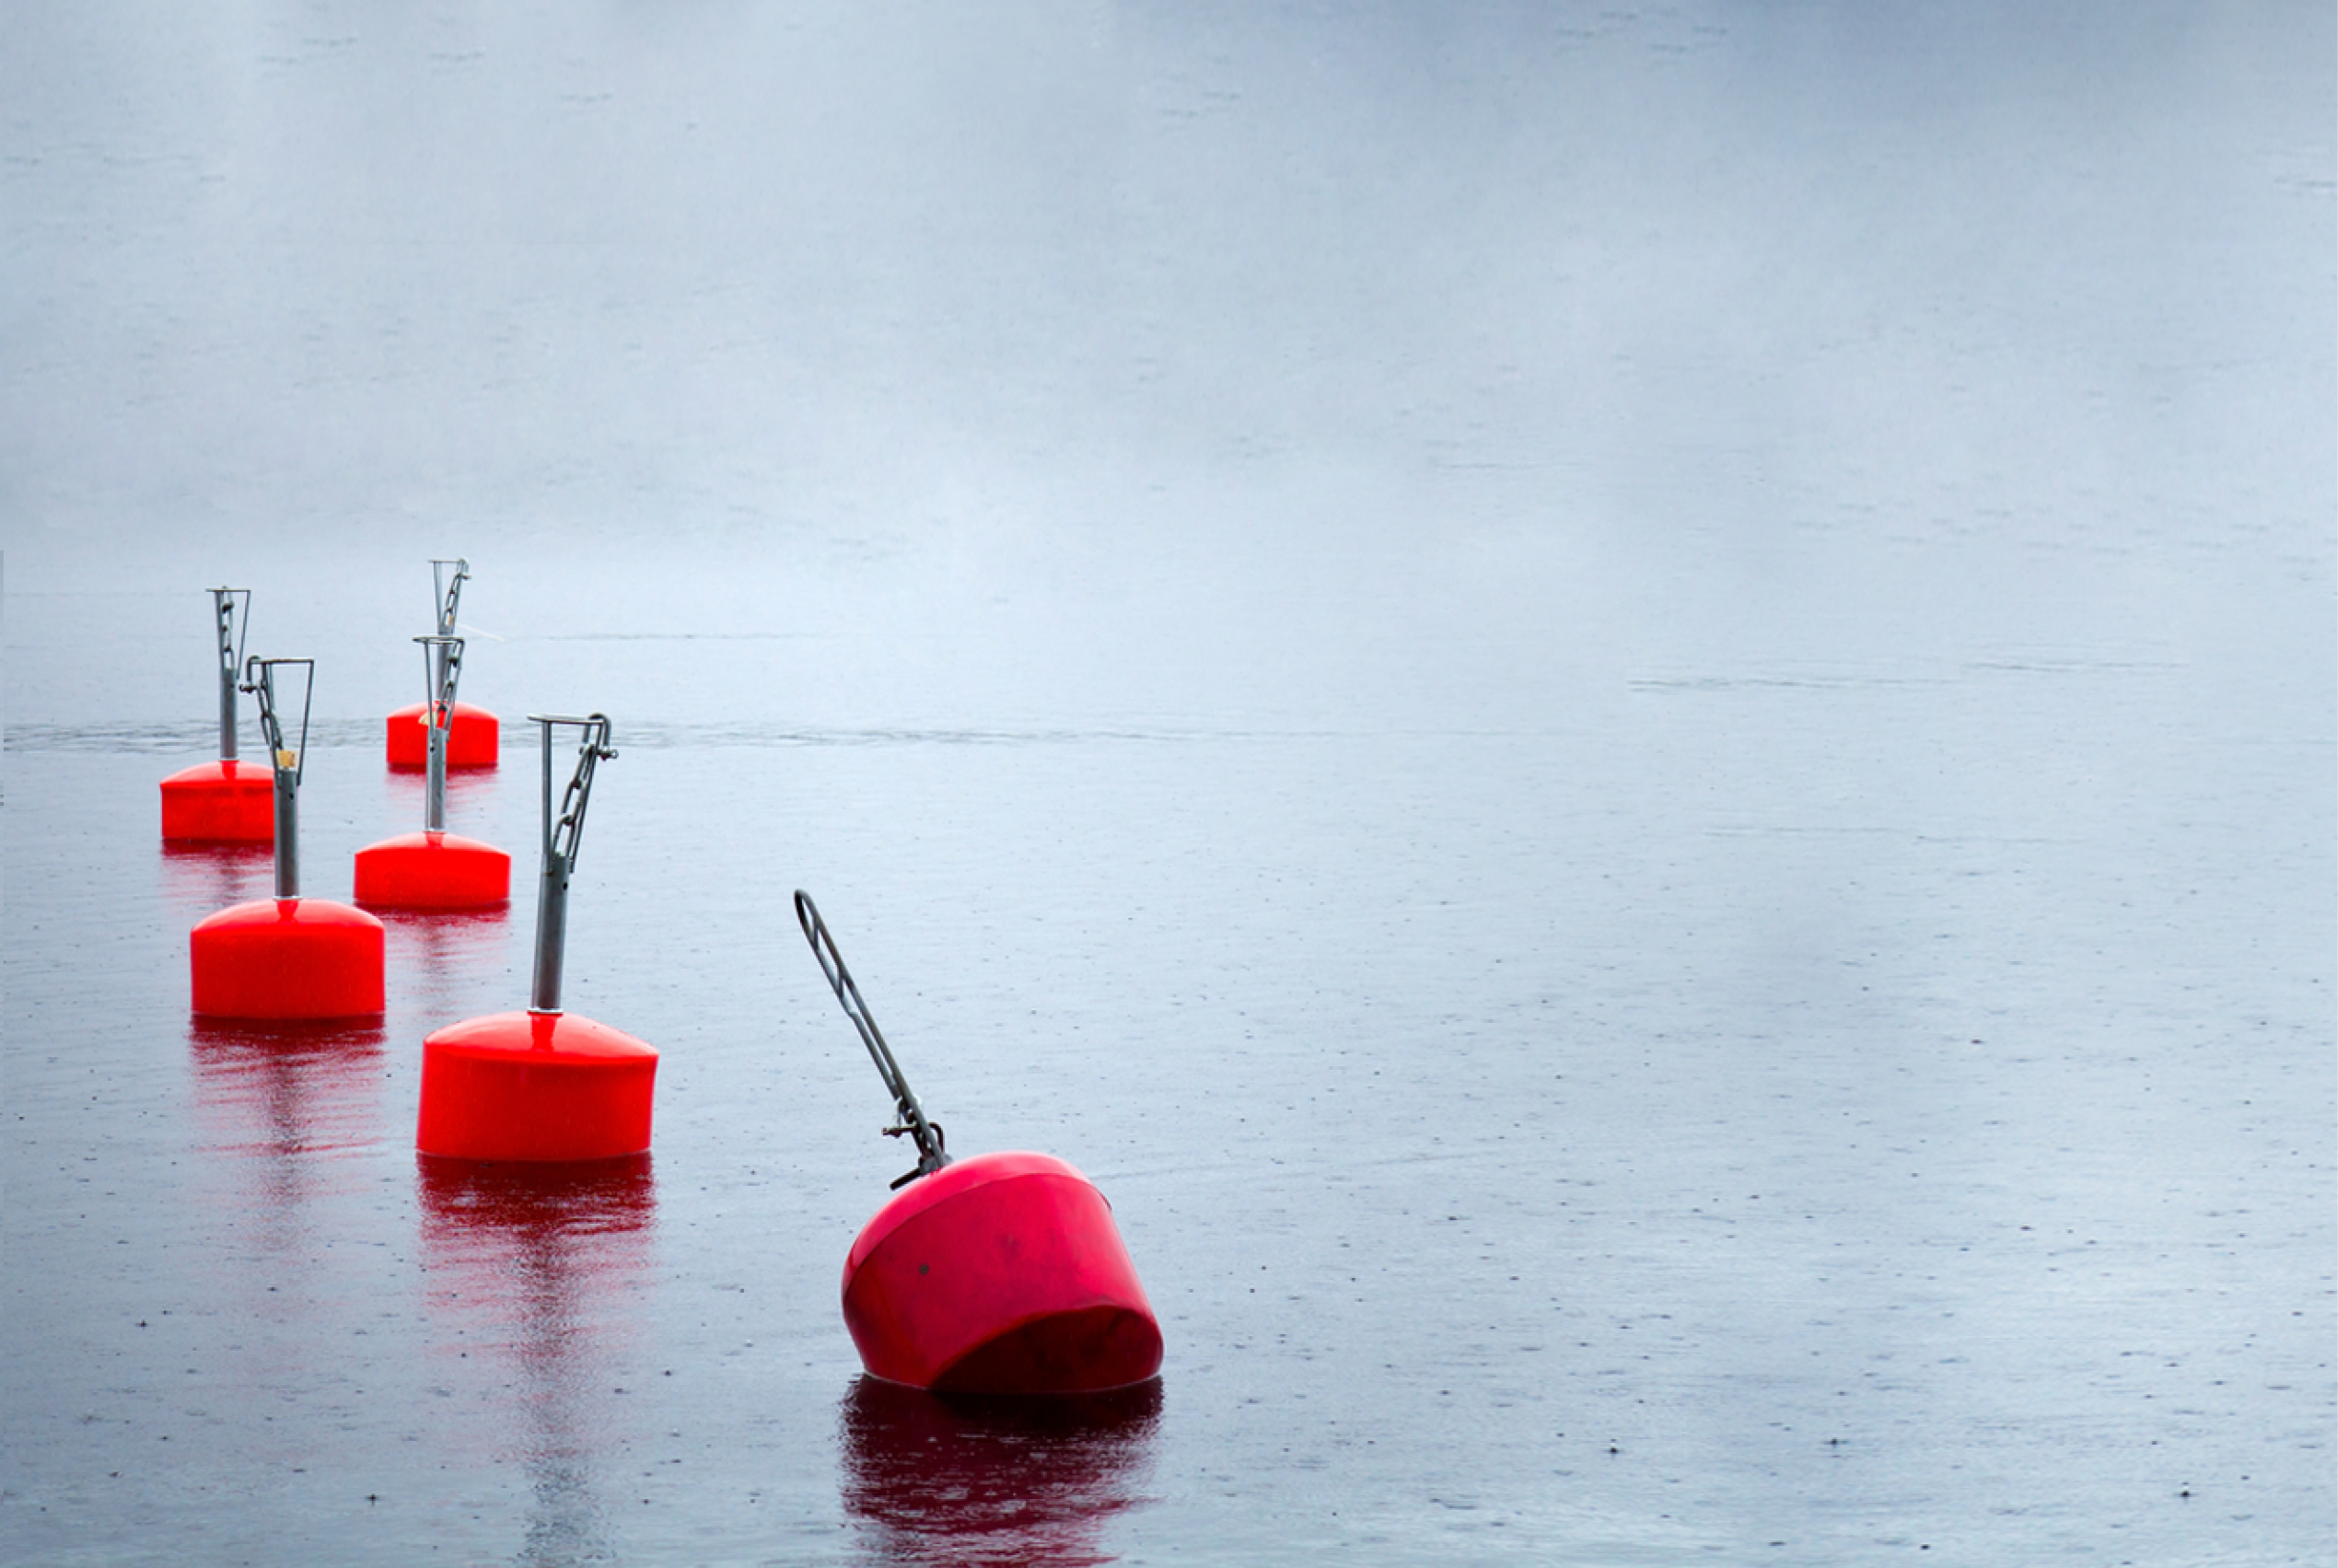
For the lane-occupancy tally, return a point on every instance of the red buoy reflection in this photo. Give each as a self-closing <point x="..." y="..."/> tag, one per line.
<point x="279" y="1087"/>
<point x="533" y="1273"/>
<point x="536" y="1259"/>
<point x="200" y="877"/>
<point x="967" y="1482"/>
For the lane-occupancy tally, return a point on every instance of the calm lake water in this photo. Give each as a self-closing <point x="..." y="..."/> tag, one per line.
<point x="1627" y="716"/>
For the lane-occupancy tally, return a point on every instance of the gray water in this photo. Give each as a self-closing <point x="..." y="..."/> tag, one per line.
<point x="1627" y="715"/>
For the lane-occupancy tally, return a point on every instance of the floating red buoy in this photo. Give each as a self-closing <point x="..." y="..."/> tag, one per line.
<point x="535" y="1087"/>
<point x="541" y="1086"/>
<point x="432" y="871"/>
<point x="222" y="802"/>
<point x="435" y="869"/>
<point x="999" y="1274"/>
<point x="285" y="957"/>
<point x="475" y="736"/>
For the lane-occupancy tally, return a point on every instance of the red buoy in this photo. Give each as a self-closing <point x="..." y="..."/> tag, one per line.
<point x="285" y="957"/>
<point x="432" y="871"/>
<point x="999" y="1274"/>
<point x="474" y="737"/>
<point x="222" y="802"/>
<point x="435" y="869"/>
<point x="541" y="1086"/>
<point x="535" y="1087"/>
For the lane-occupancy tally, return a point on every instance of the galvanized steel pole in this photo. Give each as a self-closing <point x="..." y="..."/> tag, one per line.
<point x="223" y="608"/>
<point x="562" y="835"/>
<point x="442" y="669"/>
<point x="287" y="761"/>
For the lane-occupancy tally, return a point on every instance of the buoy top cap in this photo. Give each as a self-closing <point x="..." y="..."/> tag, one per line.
<point x="564" y="1035"/>
<point x="311" y="912"/>
<point x="953" y="1180"/>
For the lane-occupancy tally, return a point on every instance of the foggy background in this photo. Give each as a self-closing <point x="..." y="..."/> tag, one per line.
<point x="1267" y="329"/>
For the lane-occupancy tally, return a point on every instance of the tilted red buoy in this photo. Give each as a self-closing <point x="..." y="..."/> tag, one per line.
<point x="435" y="869"/>
<point x="999" y="1274"/>
<point x="473" y="736"/>
<point x="540" y="1084"/>
<point x="228" y="801"/>
<point x="285" y="957"/>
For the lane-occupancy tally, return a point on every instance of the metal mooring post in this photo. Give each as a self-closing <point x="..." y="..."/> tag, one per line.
<point x="562" y="835"/>
<point x="231" y="629"/>
<point x="260" y="679"/>
<point x="442" y="659"/>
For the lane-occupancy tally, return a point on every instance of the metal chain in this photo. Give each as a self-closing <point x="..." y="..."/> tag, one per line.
<point x="450" y="594"/>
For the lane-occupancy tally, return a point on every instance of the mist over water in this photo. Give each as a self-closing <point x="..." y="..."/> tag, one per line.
<point x="1627" y="715"/>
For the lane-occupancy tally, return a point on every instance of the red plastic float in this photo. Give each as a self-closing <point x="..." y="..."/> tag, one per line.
<point x="542" y="1085"/>
<point x="285" y="957"/>
<point x="473" y="736"/>
<point x="222" y="802"/>
<point x="432" y="871"/>
<point x="225" y="801"/>
<point x="535" y="1087"/>
<point x="999" y="1274"/>
<point x="435" y="869"/>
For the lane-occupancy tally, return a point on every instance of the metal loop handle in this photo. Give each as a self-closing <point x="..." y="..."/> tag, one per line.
<point x="564" y="833"/>
<point x="931" y="1156"/>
